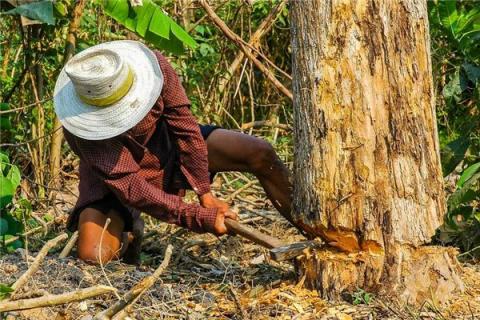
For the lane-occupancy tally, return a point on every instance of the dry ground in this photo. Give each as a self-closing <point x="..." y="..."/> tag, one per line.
<point x="211" y="278"/>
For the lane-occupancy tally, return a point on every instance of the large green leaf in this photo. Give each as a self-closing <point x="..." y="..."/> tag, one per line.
<point x="160" y="24"/>
<point x="468" y="173"/>
<point x="3" y="226"/>
<point x="473" y="72"/>
<point x="7" y="190"/>
<point x="453" y="153"/>
<point x="41" y="10"/>
<point x="447" y="10"/>
<point x="5" y="291"/>
<point x="144" y="16"/>
<point x="151" y="23"/>
<point x="120" y="11"/>
<point x="465" y="194"/>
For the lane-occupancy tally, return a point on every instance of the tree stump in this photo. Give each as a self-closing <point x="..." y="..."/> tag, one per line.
<point x="367" y="173"/>
<point x="418" y="274"/>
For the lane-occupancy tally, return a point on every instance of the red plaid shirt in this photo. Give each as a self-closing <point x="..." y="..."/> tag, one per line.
<point x="146" y="167"/>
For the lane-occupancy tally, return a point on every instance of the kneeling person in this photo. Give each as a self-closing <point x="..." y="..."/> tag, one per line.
<point x="127" y="117"/>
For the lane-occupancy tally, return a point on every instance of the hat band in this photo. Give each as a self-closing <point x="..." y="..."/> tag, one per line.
<point x="114" y="97"/>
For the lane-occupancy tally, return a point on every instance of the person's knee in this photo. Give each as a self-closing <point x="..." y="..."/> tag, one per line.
<point x="263" y="159"/>
<point x="94" y="255"/>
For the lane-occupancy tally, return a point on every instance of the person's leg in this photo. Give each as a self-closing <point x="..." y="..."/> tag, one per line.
<point x="234" y="151"/>
<point x="90" y="227"/>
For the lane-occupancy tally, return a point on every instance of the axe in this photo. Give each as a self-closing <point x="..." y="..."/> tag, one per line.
<point x="279" y="250"/>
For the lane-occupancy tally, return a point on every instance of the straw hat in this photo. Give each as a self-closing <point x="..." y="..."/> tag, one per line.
<point x="107" y="89"/>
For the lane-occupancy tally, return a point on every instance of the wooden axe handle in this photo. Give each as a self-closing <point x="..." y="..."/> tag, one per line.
<point x="252" y="234"/>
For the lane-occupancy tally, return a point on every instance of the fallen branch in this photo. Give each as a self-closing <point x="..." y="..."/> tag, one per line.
<point x="55" y="299"/>
<point x="68" y="247"/>
<point x="237" y="40"/>
<point x="134" y="293"/>
<point x="243" y="312"/>
<point x="36" y="263"/>
<point x="265" y="123"/>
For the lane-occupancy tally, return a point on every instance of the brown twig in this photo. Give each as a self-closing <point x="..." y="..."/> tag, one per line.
<point x="25" y="107"/>
<point x="36" y="263"/>
<point x="254" y="41"/>
<point x="133" y="294"/>
<point x="52" y="300"/>
<point x="265" y="123"/>
<point x="237" y="303"/>
<point x="238" y="41"/>
<point x="240" y="190"/>
<point x="28" y="233"/>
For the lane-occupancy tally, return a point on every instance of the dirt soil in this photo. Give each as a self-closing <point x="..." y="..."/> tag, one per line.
<point x="210" y="277"/>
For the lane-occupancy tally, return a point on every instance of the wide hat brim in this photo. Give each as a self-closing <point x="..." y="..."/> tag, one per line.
<point x="98" y="123"/>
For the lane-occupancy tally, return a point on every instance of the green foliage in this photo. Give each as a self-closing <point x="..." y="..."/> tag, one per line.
<point x="455" y="28"/>
<point x="11" y="216"/>
<point x="361" y="297"/>
<point x="151" y="23"/>
<point x="5" y="291"/>
<point x="40" y="10"/>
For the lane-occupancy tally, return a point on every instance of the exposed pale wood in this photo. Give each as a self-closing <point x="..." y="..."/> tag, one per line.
<point x="134" y="293"/>
<point x="68" y="247"/>
<point x="252" y="234"/>
<point x="426" y="273"/>
<point x="294" y="250"/>
<point x="366" y="168"/>
<point x="36" y="263"/>
<point x="238" y="41"/>
<point x="55" y="299"/>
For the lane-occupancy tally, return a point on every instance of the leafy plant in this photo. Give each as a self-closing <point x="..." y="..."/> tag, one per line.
<point x="361" y="297"/>
<point x="455" y="28"/>
<point x="151" y="23"/>
<point x="5" y="291"/>
<point x="39" y="10"/>
<point x="10" y="220"/>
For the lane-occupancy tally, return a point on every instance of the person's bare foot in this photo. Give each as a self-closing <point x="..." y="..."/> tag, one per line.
<point x="133" y="241"/>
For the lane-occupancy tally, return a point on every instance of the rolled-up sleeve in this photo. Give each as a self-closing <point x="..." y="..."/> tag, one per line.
<point x="112" y="161"/>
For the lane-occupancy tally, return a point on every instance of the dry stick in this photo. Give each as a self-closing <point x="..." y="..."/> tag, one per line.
<point x="57" y="137"/>
<point x="26" y="107"/>
<point x="36" y="263"/>
<point x="237" y="302"/>
<point x="134" y="293"/>
<point x="68" y="247"/>
<point x="240" y="190"/>
<point x="237" y="40"/>
<point x="28" y="233"/>
<point x="265" y="123"/>
<point x="100" y="257"/>
<point x="55" y="299"/>
<point x="253" y="42"/>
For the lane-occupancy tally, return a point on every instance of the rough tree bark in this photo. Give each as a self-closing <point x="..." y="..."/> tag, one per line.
<point x="367" y="168"/>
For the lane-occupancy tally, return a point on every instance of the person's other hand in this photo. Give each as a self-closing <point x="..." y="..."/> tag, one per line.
<point x="208" y="200"/>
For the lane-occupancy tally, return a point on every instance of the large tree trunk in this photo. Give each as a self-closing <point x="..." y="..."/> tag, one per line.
<point x="367" y="168"/>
